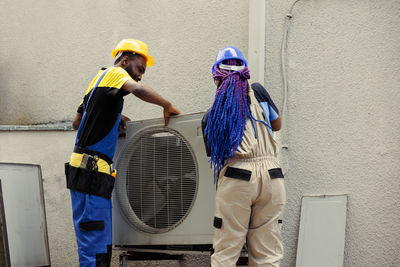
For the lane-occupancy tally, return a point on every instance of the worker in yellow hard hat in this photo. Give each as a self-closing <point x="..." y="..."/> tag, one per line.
<point x="89" y="174"/>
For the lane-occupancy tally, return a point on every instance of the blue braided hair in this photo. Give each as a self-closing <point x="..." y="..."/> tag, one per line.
<point x="227" y="118"/>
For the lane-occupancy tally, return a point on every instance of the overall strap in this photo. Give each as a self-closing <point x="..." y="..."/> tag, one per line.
<point x="94" y="88"/>
<point x="87" y="104"/>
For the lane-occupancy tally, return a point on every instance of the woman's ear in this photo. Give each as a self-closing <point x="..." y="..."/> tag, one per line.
<point x="216" y="82"/>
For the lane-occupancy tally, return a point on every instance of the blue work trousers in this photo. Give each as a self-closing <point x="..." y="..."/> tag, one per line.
<point x="92" y="219"/>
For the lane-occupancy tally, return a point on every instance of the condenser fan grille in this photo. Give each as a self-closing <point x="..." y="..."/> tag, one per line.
<point x="161" y="179"/>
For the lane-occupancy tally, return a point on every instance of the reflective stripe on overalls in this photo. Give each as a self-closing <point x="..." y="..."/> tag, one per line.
<point x="250" y="199"/>
<point x="92" y="215"/>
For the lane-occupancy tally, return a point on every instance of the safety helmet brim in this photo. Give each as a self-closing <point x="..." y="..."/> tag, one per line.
<point x="149" y="59"/>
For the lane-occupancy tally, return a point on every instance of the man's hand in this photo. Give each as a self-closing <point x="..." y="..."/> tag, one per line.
<point x="168" y="112"/>
<point x="147" y="94"/>
<point x="124" y="120"/>
<point x="77" y="121"/>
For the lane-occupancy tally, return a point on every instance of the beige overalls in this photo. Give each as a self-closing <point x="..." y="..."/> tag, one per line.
<point x="250" y="200"/>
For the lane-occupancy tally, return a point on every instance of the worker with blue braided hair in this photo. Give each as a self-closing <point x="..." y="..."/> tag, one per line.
<point x="250" y="195"/>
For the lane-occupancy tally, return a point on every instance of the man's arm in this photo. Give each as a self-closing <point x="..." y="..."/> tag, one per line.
<point x="77" y="121"/>
<point x="147" y="94"/>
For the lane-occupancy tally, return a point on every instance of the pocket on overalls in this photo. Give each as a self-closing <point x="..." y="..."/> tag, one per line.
<point x="278" y="190"/>
<point x="95" y="226"/>
<point x="91" y="226"/>
<point x="228" y="173"/>
<point x="238" y="173"/>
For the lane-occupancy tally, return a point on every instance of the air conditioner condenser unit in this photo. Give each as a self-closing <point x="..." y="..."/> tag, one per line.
<point x="164" y="193"/>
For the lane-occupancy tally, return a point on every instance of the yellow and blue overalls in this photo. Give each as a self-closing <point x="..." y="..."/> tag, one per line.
<point x="89" y="174"/>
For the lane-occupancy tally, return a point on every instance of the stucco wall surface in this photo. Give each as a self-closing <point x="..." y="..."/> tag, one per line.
<point x="342" y="121"/>
<point x="50" y="51"/>
<point x="342" y="124"/>
<point x="49" y="150"/>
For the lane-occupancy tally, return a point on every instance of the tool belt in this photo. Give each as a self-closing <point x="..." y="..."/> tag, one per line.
<point x="87" y="179"/>
<point x="81" y="150"/>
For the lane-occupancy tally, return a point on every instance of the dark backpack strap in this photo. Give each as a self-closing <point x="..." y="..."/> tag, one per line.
<point x="262" y="95"/>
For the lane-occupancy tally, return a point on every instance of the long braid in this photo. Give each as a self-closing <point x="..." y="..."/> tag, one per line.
<point x="227" y="119"/>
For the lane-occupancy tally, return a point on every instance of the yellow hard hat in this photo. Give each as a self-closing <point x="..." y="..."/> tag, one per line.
<point x="135" y="46"/>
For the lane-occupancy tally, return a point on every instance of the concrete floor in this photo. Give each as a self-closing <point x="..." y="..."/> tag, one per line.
<point x="187" y="261"/>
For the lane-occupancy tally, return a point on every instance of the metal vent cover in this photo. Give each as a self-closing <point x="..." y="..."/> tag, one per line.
<point x="158" y="179"/>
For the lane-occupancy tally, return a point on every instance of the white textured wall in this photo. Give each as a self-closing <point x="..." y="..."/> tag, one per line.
<point x="342" y="127"/>
<point x="343" y="117"/>
<point x="50" y="150"/>
<point x="50" y="51"/>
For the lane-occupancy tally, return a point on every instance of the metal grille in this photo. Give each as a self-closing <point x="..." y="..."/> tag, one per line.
<point x="160" y="179"/>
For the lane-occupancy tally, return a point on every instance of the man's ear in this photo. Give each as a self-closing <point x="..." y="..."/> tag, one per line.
<point x="125" y="61"/>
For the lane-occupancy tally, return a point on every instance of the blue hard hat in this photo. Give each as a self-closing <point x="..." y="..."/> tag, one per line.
<point x="229" y="52"/>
